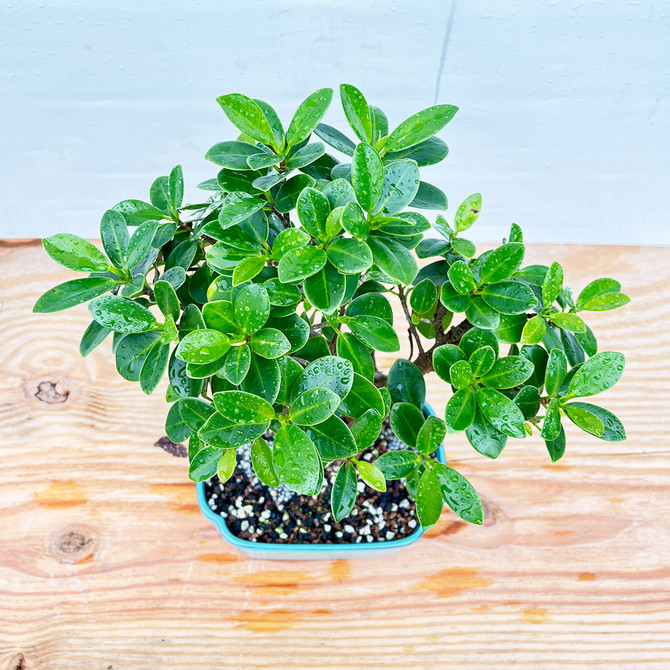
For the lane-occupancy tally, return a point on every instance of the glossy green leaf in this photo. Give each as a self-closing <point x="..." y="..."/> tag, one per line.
<point x="333" y="439"/>
<point x="308" y="115"/>
<point x="598" y="374"/>
<point x="76" y="253"/>
<point x="344" y="492"/>
<point x="325" y="289"/>
<point x="397" y="464"/>
<point x="226" y="465"/>
<point x="247" y="269"/>
<point x="444" y="357"/>
<point x="552" y="285"/>
<point x="393" y="259"/>
<point x="137" y="212"/>
<point x="429" y="196"/>
<point x="232" y="155"/>
<point x="354" y="222"/>
<point x="429" y="152"/>
<point x="252" y="307"/>
<point x="202" y="346"/>
<point x="401" y="184"/>
<point x="195" y="412"/>
<point x="460" y="410"/>
<point x="331" y="372"/>
<point x="121" y="314"/>
<point x="476" y="338"/>
<point x="357" y="111"/>
<point x="509" y="297"/>
<point x="313" y="406"/>
<point x="131" y="353"/>
<point x="367" y="176"/>
<point x="484" y="437"/>
<point x="263" y="378"/>
<point x="375" y="332"/>
<point x="350" y="256"/>
<point x="420" y="127"/>
<point x="430" y="435"/>
<point x="175" y="428"/>
<point x="371" y="304"/>
<point x="287" y="197"/>
<point x="261" y="459"/>
<point x="423" y="297"/>
<point x="461" y="374"/>
<point x="203" y="464"/>
<point x="533" y="330"/>
<point x="428" y="499"/>
<point x="154" y="367"/>
<point x="289" y="370"/>
<point x="461" y="277"/>
<point x="481" y="360"/>
<point x="597" y="288"/>
<point x="313" y="209"/>
<point x="73" y="292"/>
<point x="297" y="461"/>
<point x="367" y="427"/>
<point x="468" y="212"/>
<point x="406" y="421"/>
<point x="350" y="347"/>
<point x="501" y="412"/>
<point x="556" y="447"/>
<point x="584" y="419"/>
<point x="362" y="396"/>
<point x="568" y="321"/>
<point x="243" y="408"/>
<point x="245" y="113"/>
<point x="508" y="372"/>
<point x="335" y="138"/>
<point x="305" y="156"/>
<point x="551" y="426"/>
<point x="459" y="494"/>
<point x="167" y="299"/>
<point x="282" y="294"/>
<point x="603" y="303"/>
<point x="406" y="383"/>
<point x="115" y="237"/>
<point x="294" y="328"/>
<point x="238" y="211"/>
<point x="269" y="343"/>
<point x="482" y="316"/>
<point x="502" y="263"/>
<point x="92" y="337"/>
<point x="528" y="401"/>
<point x="371" y="475"/>
<point x="613" y="430"/>
<point x="291" y="238"/>
<point x="299" y="263"/>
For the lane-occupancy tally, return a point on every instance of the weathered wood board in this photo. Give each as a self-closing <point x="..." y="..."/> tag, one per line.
<point x="107" y="563"/>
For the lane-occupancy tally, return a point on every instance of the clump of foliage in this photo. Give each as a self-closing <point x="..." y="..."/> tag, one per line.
<point x="267" y="302"/>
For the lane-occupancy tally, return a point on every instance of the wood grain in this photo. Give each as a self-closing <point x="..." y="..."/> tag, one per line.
<point x="106" y="562"/>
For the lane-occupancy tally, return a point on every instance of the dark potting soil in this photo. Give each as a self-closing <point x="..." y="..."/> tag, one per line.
<point x="260" y="513"/>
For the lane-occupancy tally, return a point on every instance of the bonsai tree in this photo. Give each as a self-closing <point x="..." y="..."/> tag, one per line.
<point x="267" y="302"/>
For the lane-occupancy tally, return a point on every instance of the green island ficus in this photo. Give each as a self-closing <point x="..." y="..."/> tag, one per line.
<point x="267" y="301"/>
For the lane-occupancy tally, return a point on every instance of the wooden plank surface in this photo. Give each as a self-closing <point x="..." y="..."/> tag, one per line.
<point x="107" y="563"/>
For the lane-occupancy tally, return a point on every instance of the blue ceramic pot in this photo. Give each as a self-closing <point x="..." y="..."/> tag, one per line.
<point x="294" y="552"/>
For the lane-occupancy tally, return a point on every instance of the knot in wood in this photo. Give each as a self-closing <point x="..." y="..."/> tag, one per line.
<point x="48" y="392"/>
<point x="74" y="544"/>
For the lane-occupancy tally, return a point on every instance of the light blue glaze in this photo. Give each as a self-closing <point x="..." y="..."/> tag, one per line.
<point x="294" y="552"/>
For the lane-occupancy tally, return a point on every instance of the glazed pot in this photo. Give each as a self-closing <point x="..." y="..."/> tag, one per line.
<point x="311" y="551"/>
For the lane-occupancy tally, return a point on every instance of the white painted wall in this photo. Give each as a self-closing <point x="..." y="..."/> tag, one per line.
<point x="564" y="121"/>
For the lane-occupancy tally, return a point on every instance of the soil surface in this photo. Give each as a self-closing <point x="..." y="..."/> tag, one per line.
<point x="260" y="513"/>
